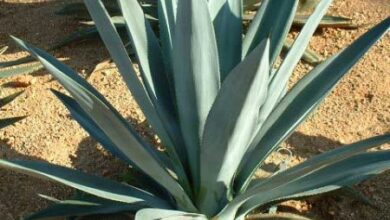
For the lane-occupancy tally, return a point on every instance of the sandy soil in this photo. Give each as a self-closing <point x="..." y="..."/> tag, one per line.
<point x="358" y="108"/>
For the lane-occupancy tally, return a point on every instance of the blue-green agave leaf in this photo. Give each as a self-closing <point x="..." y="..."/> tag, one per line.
<point x="350" y="171"/>
<point x="273" y="20"/>
<point x="303" y="98"/>
<point x="19" y="70"/>
<point x="228" y="31"/>
<point x="229" y="126"/>
<point x="98" y="134"/>
<point x="332" y="156"/>
<point x="118" y="52"/>
<point x="165" y="214"/>
<point x="112" y="123"/>
<point x="23" y="60"/>
<point x="331" y="177"/>
<point x="167" y="21"/>
<point x="347" y="191"/>
<point x="295" y="53"/>
<point x="148" y="51"/>
<point x="155" y="77"/>
<point x="78" y="208"/>
<point x="88" y="33"/>
<point x="87" y="183"/>
<point x="309" y="56"/>
<point x="276" y="216"/>
<point x="196" y="74"/>
<point x="90" y="126"/>
<point x="3" y="50"/>
<point x="164" y="125"/>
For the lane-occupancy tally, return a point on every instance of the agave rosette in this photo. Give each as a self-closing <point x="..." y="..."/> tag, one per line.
<point x="218" y="105"/>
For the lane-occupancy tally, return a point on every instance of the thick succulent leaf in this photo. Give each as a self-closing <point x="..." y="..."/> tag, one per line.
<point x="228" y="32"/>
<point x="215" y="6"/>
<point x="118" y="21"/>
<point x="350" y="171"/>
<point x="303" y="99"/>
<point x="309" y="55"/>
<point x="87" y="183"/>
<point x="148" y="51"/>
<point x="276" y="216"/>
<point x="347" y="191"/>
<point x="118" y="52"/>
<point x="167" y="21"/>
<point x="78" y="208"/>
<point x="282" y="75"/>
<point x="90" y="126"/>
<point x="112" y="123"/>
<point x="85" y="34"/>
<point x="228" y="132"/>
<point x="6" y="100"/>
<point x="327" y="21"/>
<point x="196" y="74"/>
<point x="23" y="60"/>
<point x="155" y="78"/>
<point x="19" y="70"/>
<point x="5" y="122"/>
<point x="162" y="122"/>
<point x="273" y="20"/>
<point x="98" y="134"/>
<point x="165" y="214"/>
<point x="333" y="156"/>
<point x="3" y="49"/>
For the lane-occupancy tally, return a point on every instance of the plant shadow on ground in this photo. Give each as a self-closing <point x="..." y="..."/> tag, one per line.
<point x="81" y="56"/>
<point x="13" y="184"/>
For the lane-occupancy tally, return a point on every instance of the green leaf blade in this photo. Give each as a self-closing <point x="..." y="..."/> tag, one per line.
<point x="196" y="74"/>
<point x="87" y="183"/>
<point x="305" y="97"/>
<point x="161" y="121"/>
<point x="228" y="32"/>
<point x="113" y="124"/>
<point x="148" y="51"/>
<point x="273" y="20"/>
<point x="224" y="146"/>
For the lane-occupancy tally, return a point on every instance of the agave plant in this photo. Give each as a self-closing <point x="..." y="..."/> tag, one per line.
<point x="219" y="105"/>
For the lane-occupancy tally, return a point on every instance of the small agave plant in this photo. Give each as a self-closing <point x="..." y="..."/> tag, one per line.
<point x="219" y="105"/>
